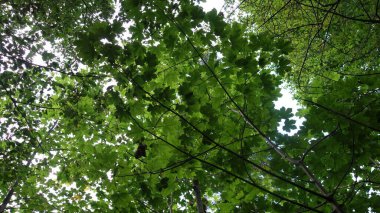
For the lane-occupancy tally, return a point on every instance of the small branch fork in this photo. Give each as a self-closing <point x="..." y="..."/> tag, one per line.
<point x="300" y="163"/>
<point x="11" y="190"/>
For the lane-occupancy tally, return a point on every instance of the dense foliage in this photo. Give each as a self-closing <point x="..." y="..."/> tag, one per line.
<point x="158" y="106"/>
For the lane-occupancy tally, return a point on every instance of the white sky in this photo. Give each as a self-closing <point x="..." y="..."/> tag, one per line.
<point x="210" y="4"/>
<point x="287" y="100"/>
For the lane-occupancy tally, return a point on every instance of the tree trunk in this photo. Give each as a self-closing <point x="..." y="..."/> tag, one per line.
<point x="8" y="197"/>
<point x="201" y="208"/>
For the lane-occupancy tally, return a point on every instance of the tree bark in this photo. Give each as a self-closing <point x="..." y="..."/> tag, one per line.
<point x="201" y="208"/>
<point x="7" y="199"/>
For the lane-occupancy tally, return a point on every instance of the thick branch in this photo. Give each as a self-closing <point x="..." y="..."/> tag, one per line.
<point x="7" y="198"/>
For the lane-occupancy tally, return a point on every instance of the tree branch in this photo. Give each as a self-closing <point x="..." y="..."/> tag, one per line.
<point x="368" y="21"/>
<point x="224" y="170"/>
<point x="341" y="115"/>
<point x="332" y="133"/>
<point x="274" y="14"/>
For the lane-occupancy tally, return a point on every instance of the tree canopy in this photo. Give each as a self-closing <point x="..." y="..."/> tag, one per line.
<point x="158" y="106"/>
